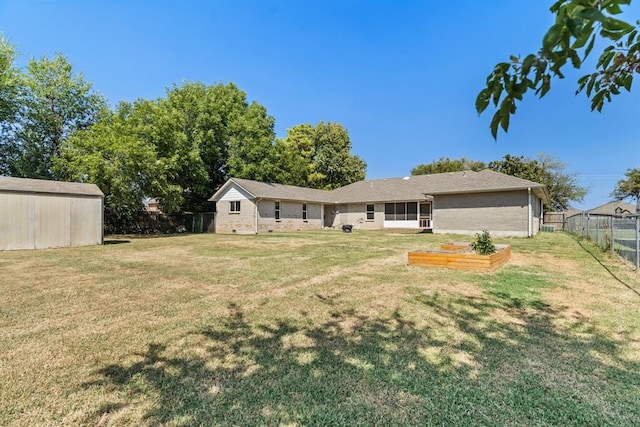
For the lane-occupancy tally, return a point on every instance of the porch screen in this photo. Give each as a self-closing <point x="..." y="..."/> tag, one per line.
<point x="403" y="211"/>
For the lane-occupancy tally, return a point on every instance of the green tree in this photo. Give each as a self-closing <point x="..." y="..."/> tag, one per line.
<point x="295" y="154"/>
<point x="208" y="133"/>
<point x="563" y="187"/>
<point x="318" y="157"/>
<point x="445" y="164"/>
<point x="629" y="187"/>
<point x="9" y="81"/>
<point x="9" y="103"/>
<point x="251" y="152"/>
<point x="579" y="25"/>
<point x="55" y="103"/>
<point x="198" y="134"/>
<point x="127" y="168"/>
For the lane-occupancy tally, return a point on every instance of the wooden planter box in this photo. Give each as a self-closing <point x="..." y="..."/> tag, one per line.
<point x="458" y="257"/>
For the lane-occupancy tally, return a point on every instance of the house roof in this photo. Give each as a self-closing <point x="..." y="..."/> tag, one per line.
<point x="611" y="207"/>
<point x="274" y="191"/>
<point x="416" y="187"/>
<point x="25" y="185"/>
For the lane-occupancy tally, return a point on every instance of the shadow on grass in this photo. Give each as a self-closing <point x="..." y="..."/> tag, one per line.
<point x="480" y="361"/>
<point x="115" y="241"/>
<point x="580" y="242"/>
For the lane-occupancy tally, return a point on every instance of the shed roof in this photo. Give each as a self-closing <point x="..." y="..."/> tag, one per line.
<point x="26" y="185"/>
<point x="416" y="187"/>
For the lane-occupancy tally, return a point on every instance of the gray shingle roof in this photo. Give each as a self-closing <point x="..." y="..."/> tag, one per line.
<point x="417" y="186"/>
<point x="393" y="189"/>
<point x="277" y="191"/>
<point x="610" y="208"/>
<point x="25" y="185"/>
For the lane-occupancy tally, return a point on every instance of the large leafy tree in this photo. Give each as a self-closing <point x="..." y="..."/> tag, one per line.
<point x="445" y="164"/>
<point x="200" y="135"/>
<point x="125" y="166"/>
<point x="563" y="187"/>
<point x="318" y="157"/>
<point x="9" y="94"/>
<point x="208" y="133"/>
<point x="55" y="103"/>
<point x="579" y="26"/>
<point x="9" y="81"/>
<point x="629" y="187"/>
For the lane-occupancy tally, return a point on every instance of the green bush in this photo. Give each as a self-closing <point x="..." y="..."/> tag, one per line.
<point x="483" y="244"/>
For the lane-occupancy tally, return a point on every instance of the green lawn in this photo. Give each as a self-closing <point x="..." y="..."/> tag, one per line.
<point x="321" y="328"/>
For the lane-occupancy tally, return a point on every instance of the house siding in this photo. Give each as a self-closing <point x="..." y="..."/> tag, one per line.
<point x="243" y="222"/>
<point x="356" y="215"/>
<point x="290" y="216"/>
<point x="501" y="213"/>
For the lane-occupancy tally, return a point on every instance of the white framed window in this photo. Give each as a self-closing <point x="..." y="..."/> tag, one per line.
<point x="234" y="206"/>
<point x="371" y="209"/>
<point x="304" y="211"/>
<point x="277" y="211"/>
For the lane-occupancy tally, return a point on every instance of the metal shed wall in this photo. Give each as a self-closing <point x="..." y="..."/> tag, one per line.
<point x="48" y="220"/>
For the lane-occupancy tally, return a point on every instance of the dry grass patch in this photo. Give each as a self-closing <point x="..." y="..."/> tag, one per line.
<point x="318" y="328"/>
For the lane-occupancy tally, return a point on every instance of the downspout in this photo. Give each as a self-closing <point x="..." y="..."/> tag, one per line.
<point x="257" y="214"/>
<point x="529" y="214"/>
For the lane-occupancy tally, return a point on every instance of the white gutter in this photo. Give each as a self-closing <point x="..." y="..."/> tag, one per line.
<point x="529" y="214"/>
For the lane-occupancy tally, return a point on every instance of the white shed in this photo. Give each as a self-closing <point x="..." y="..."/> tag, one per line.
<point x="38" y="214"/>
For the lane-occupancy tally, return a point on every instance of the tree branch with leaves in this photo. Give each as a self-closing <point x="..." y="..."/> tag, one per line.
<point x="579" y="24"/>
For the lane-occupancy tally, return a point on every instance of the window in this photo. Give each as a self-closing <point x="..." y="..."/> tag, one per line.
<point x="304" y="211"/>
<point x="412" y="211"/>
<point x="234" y="206"/>
<point x="400" y="211"/>
<point x="370" y="212"/>
<point x="277" y="211"/>
<point x="389" y="211"/>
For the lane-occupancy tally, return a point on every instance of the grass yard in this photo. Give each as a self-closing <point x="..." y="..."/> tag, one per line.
<point x="321" y="328"/>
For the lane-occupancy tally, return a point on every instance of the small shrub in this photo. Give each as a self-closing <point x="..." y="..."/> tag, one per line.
<point x="483" y="244"/>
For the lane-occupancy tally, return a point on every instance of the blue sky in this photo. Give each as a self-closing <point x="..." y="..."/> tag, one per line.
<point x="401" y="76"/>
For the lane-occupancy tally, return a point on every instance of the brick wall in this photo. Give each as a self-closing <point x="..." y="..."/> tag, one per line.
<point x="290" y="216"/>
<point x="502" y="213"/>
<point x="243" y="222"/>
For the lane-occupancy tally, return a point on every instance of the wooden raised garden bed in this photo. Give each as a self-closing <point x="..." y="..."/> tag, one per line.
<point x="459" y="256"/>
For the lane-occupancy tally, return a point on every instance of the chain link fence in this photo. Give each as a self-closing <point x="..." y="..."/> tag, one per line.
<point x="619" y="234"/>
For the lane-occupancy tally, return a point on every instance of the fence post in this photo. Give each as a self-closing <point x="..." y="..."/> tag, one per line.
<point x="611" y="241"/>
<point x="588" y="235"/>
<point x="637" y="242"/>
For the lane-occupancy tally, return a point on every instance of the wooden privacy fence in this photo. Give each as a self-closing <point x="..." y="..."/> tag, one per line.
<point x="557" y="219"/>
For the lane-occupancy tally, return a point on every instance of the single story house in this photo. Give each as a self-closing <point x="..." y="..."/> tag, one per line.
<point x="617" y="208"/>
<point x="457" y="202"/>
<point x="38" y="214"/>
